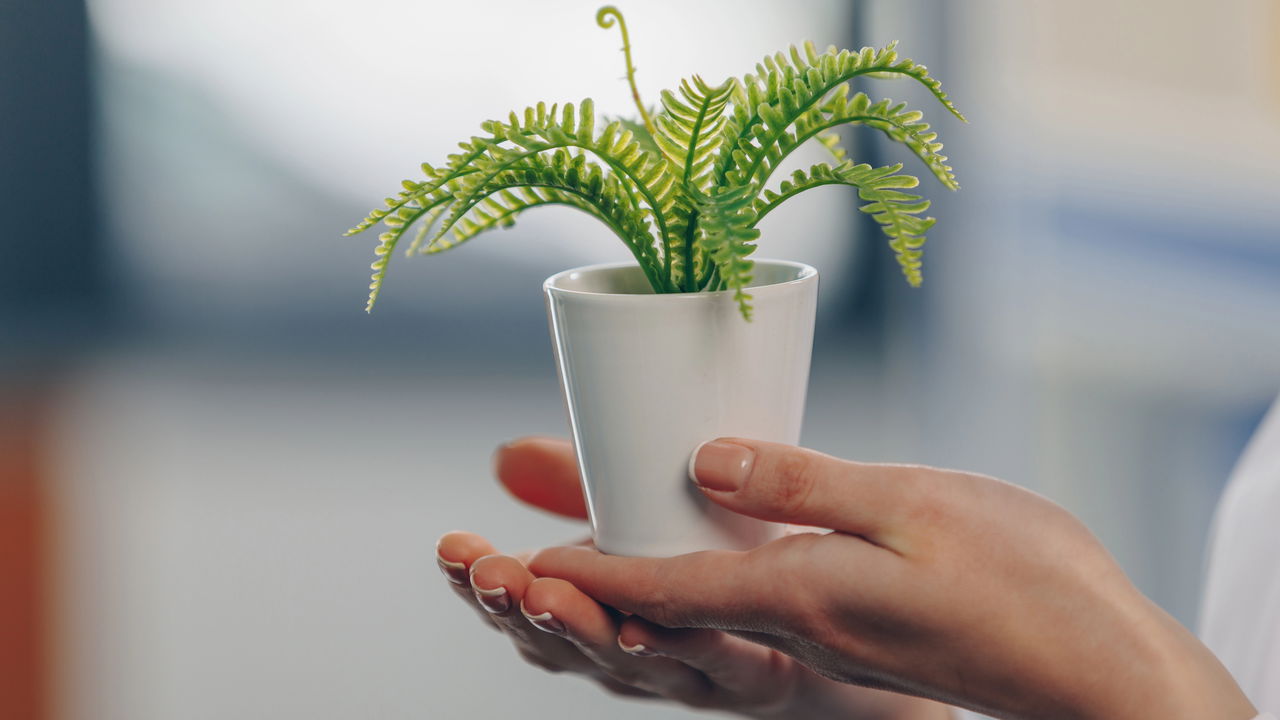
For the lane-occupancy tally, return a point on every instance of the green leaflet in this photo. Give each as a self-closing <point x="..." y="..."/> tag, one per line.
<point x="689" y="132"/>
<point x="728" y="231"/>
<point x="881" y="188"/>
<point x="686" y="189"/>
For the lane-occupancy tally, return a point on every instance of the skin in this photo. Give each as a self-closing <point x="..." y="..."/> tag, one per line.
<point x="933" y="583"/>
<point x="695" y="667"/>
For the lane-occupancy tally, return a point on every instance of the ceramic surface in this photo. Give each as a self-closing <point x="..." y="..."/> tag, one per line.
<point x="648" y="377"/>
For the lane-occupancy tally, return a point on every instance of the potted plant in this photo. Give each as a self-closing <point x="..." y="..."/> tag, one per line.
<point x="695" y="340"/>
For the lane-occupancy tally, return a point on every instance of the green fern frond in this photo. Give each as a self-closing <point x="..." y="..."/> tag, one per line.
<point x="437" y="183"/>
<point x="392" y="204"/>
<point x="787" y="127"/>
<point x="689" y="129"/>
<point x="830" y="140"/>
<point x="419" y="246"/>
<point x="880" y="187"/>
<point x="791" y="88"/>
<point x="728" y="227"/>
<point x="640" y="133"/>
<point x="500" y="210"/>
<point x="563" y="177"/>
<point x="689" y="132"/>
<point x="898" y="216"/>
<point x="685" y="189"/>
<point x="542" y="130"/>
<point x="397" y="223"/>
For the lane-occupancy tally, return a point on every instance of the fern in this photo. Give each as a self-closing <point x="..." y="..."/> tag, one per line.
<point x="686" y="186"/>
<point x="729" y="230"/>
<point x="881" y="188"/>
<point x="689" y="132"/>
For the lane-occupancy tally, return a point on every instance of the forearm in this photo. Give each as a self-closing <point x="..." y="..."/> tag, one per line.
<point x="817" y="697"/>
<point x="1177" y="677"/>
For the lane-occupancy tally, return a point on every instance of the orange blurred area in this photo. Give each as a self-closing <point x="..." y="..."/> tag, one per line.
<point x="24" y="559"/>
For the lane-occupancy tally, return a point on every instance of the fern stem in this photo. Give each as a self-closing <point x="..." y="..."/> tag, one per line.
<point x="868" y="120"/>
<point x="711" y="276"/>
<point x="605" y="19"/>
<point x="666" y="263"/>
<point x="690" y="272"/>
<point x="695" y="137"/>
<point x="650" y="273"/>
<point x="654" y="280"/>
<point x="621" y="169"/>
<point x="768" y="208"/>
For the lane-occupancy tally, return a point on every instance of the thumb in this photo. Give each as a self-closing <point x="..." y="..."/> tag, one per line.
<point x="788" y="484"/>
<point x="542" y="472"/>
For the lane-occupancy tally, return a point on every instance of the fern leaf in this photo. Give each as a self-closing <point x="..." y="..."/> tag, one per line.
<point x="640" y="133"/>
<point x="689" y="128"/>
<point x="728" y="231"/>
<point x="542" y="130"/>
<point x="689" y="132"/>
<point x="404" y="217"/>
<point x="425" y="223"/>
<point x="787" y="128"/>
<point x="881" y="189"/>
<point x="561" y="178"/>
<point x="686" y="190"/>
<point x="392" y="204"/>
<point x="787" y="87"/>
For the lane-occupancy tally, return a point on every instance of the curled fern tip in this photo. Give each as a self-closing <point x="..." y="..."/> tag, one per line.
<point x="605" y="16"/>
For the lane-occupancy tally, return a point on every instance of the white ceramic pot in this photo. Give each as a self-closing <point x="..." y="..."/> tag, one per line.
<point x="648" y="377"/>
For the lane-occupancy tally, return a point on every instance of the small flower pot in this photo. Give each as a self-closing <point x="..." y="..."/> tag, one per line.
<point x="648" y="377"/>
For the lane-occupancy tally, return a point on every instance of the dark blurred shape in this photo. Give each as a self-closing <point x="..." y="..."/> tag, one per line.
<point x="51" y="253"/>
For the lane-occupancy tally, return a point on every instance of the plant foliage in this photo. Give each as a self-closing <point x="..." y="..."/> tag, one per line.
<point x="686" y="185"/>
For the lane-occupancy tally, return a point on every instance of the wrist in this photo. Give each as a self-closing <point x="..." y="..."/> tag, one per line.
<point x="814" y="696"/>
<point x="1174" y="676"/>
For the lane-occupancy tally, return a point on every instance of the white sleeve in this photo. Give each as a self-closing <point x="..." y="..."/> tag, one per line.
<point x="1265" y="716"/>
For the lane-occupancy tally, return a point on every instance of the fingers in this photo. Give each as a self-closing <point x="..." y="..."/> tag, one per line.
<point x="559" y="608"/>
<point x="783" y="587"/>
<point x="752" y="674"/>
<point x="455" y="553"/>
<point x="493" y="586"/>
<point x="788" y="484"/>
<point x="705" y="589"/>
<point x="500" y="583"/>
<point x="542" y="472"/>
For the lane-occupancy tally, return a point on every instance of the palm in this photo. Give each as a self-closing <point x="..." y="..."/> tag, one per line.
<point x="697" y="667"/>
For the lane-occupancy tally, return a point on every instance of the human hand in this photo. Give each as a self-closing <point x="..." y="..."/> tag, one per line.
<point x="936" y="583"/>
<point x="556" y="627"/>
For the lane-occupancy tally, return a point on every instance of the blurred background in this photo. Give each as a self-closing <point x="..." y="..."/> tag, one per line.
<point x="221" y="482"/>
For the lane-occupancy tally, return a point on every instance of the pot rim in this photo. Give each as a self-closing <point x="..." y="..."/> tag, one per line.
<point x="806" y="273"/>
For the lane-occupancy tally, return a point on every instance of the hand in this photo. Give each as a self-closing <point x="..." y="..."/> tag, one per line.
<point x="936" y="583"/>
<point x="556" y="627"/>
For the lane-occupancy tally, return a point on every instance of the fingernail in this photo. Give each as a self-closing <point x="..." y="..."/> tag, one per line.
<point x="495" y="601"/>
<point x="639" y="650"/>
<point x="722" y="466"/>
<point x="544" y="622"/>
<point x="455" y="571"/>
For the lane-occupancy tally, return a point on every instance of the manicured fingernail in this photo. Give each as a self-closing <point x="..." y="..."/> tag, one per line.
<point x="455" y="571"/>
<point x="495" y="601"/>
<point x="544" y="622"/>
<point x="639" y="650"/>
<point x="722" y="466"/>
